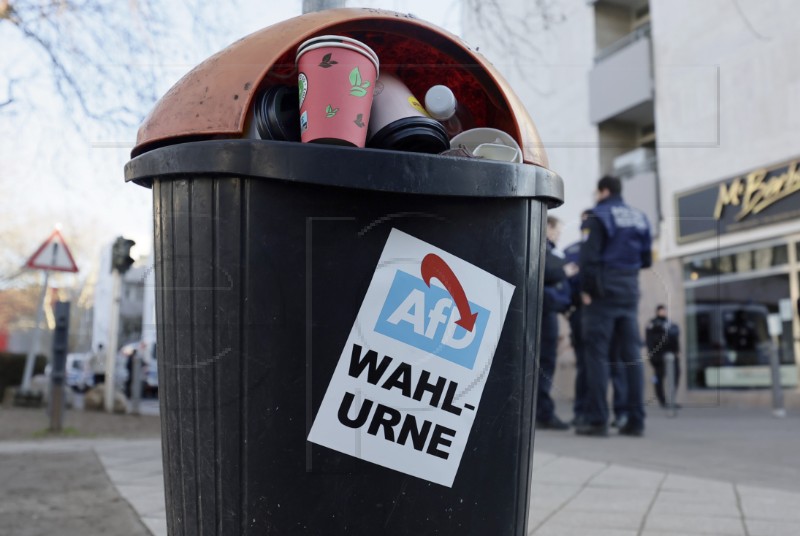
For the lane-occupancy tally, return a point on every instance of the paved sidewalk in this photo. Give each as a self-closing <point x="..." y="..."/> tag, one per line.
<point x="571" y="496"/>
<point x="81" y="486"/>
<point x="713" y="471"/>
<point x="576" y="497"/>
<point x="134" y="467"/>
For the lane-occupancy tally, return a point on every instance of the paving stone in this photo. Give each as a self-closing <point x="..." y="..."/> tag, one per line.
<point x="678" y="504"/>
<point x="551" y="496"/>
<point x="550" y="529"/>
<point x="689" y="483"/>
<point x="613" y="500"/>
<point x="760" y="527"/>
<point x="762" y="503"/>
<point x="567" y="471"/>
<point x="685" y="524"/>
<point x="156" y="525"/>
<point x="570" y="516"/>
<point x="616" y="476"/>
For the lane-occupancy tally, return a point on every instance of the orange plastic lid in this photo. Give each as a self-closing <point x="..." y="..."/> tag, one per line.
<point x="212" y="101"/>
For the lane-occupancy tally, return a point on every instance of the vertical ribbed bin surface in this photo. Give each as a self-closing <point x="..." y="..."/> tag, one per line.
<point x="201" y="320"/>
<point x="260" y="275"/>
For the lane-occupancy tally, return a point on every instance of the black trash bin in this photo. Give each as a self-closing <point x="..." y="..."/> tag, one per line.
<point x="264" y="251"/>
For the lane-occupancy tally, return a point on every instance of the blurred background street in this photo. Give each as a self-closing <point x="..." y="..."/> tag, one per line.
<point x="692" y="105"/>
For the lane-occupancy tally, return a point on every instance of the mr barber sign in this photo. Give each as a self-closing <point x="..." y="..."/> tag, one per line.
<point x="761" y="197"/>
<point x="409" y="380"/>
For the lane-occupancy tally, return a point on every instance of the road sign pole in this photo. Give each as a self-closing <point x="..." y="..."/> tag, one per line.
<point x="775" y="328"/>
<point x="34" y="346"/>
<point x="113" y="333"/>
<point x="669" y="361"/>
<point x="775" y="374"/>
<point x="136" y="383"/>
<point x="58" y="373"/>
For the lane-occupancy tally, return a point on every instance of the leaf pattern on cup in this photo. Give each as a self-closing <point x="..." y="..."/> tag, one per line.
<point x="327" y="62"/>
<point x="358" y="86"/>
<point x="359" y="121"/>
<point x="330" y="111"/>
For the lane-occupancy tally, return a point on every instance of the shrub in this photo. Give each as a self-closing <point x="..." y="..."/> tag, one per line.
<point x="12" y="366"/>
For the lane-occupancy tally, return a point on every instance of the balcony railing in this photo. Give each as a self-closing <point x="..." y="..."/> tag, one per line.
<point x="641" y="32"/>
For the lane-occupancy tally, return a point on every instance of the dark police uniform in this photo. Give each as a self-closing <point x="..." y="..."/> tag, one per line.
<point x="573" y="254"/>
<point x="662" y="336"/>
<point x="617" y="367"/>
<point x="617" y="244"/>
<point x="555" y="300"/>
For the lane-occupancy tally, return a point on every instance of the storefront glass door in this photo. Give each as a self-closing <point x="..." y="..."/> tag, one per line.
<point x="729" y="296"/>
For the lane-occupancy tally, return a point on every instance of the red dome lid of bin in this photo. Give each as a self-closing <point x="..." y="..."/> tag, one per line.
<point x="212" y="101"/>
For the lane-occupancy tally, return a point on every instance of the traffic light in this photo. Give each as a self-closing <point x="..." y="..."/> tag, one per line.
<point x="120" y="254"/>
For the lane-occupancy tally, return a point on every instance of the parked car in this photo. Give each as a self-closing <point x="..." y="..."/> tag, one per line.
<point x="147" y="353"/>
<point x="78" y="372"/>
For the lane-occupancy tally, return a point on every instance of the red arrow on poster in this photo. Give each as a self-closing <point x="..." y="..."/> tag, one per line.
<point x="53" y="254"/>
<point x="435" y="266"/>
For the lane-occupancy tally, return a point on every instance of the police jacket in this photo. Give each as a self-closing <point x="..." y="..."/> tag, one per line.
<point x="556" y="287"/>
<point x="661" y="336"/>
<point x="617" y="244"/>
<point x="573" y="254"/>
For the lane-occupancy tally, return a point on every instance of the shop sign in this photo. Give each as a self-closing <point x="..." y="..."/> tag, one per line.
<point x="762" y="197"/>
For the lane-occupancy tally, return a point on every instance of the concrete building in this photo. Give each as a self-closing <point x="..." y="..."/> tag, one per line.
<point x="694" y="104"/>
<point x="133" y="298"/>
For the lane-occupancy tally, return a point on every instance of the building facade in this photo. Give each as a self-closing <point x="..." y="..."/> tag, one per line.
<point x="135" y="294"/>
<point x="694" y="104"/>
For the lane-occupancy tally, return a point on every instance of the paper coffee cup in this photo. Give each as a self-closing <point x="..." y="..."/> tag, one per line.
<point x="336" y="80"/>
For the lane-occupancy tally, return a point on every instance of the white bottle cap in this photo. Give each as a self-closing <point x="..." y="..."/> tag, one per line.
<point x="440" y="103"/>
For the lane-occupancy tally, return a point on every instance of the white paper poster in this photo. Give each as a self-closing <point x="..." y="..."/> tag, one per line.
<point x="409" y="380"/>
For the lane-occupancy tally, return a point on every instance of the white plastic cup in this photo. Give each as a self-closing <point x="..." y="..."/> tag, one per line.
<point x="475" y="137"/>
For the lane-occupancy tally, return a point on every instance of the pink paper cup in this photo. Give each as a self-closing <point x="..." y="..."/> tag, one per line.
<point x="336" y="80"/>
<point x="336" y="39"/>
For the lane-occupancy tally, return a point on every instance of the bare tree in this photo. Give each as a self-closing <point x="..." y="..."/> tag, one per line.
<point x="514" y="33"/>
<point x="103" y="56"/>
<point x="320" y="5"/>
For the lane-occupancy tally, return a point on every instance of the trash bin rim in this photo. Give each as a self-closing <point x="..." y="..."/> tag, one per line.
<point x="383" y="170"/>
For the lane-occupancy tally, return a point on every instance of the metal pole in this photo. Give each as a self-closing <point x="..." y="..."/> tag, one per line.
<point x="775" y="369"/>
<point x="34" y="347"/>
<point x="136" y="382"/>
<point x="321" y="5"/>
<point x="669" y="361"/>
<point x="113" y="335"/>
<point x="775" y="329"/>
<point x="58" y="373"/>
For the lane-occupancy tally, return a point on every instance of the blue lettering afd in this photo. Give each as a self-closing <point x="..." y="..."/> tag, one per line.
<point x="425" y="318"/>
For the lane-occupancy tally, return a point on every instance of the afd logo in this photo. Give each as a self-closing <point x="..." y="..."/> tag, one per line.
<point x="429" y="317"/>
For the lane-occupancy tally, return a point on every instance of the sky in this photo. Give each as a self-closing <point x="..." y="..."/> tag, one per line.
<point x="58" y="171"/>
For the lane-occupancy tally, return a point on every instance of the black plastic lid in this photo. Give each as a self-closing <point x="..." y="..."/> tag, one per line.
<point x="330" y="166"/>
<point x="412" y="134"/>
<point x="278" y="115"/>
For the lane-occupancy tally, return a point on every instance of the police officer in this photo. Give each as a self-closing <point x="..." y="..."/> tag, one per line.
<point x="617" y="369"/>
<point x="572" y="255"/>
<point x="617" y="244"/>
<point x="662" y="337"/>
<point x="556" y="300"/>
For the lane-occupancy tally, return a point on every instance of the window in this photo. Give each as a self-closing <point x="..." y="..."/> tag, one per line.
<point x="729" y="296"/>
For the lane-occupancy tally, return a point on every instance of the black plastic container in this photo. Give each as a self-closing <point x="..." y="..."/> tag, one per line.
<point x="264" y="251"/>
<point x="277" y="114"/>
<point x="412" y="134"/>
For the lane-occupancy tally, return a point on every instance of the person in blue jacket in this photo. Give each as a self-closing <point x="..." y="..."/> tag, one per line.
<point x="616" y="245"/>
<point x="572" y="254"/>
<point x="617" y="369"/>
<point x="556" y="299"/>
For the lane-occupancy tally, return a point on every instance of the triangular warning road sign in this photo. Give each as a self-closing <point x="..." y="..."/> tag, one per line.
<point x="53" y="255"/>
